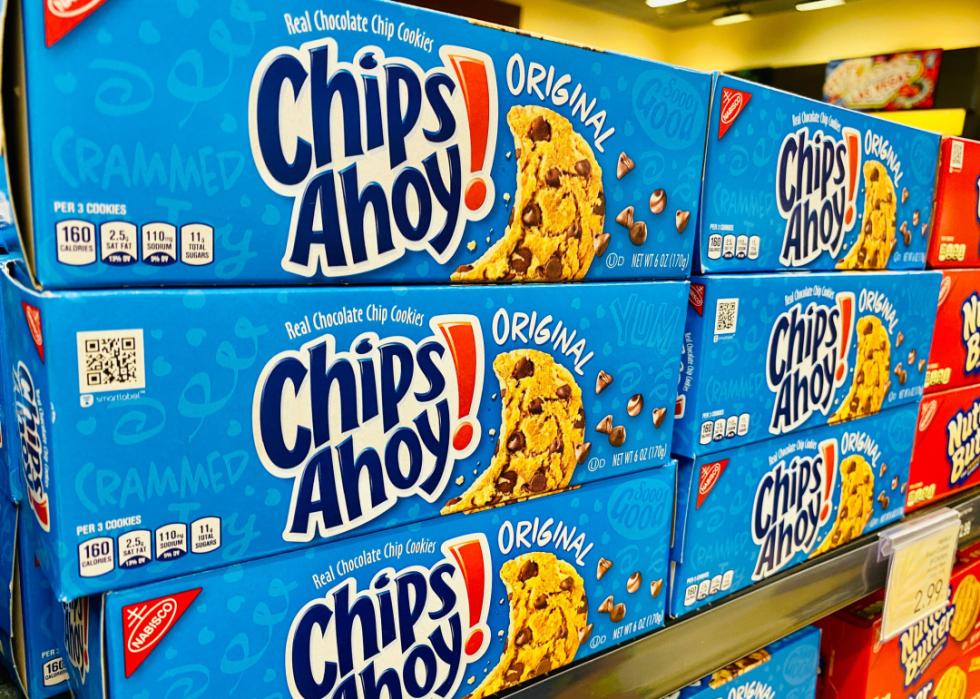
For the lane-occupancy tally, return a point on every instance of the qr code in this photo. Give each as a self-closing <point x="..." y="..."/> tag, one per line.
<point x="726" y="316"/>
<point x="111" y="360"/>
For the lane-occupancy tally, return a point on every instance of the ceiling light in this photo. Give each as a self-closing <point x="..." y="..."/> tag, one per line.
<point x="734" y="18"/>
<point x="818" y="5"/>
<point x="663" y="3"/>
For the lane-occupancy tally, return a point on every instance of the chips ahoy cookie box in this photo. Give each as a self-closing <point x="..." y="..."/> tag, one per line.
<point x="915" y="664"/>
<point x="200" y="427"/>
<point x="750" y="512"/>
<point x="955" y="357"/>
<point x="955" y="238"/>
<point x="233" y="141"/>
<point x="793" y="183"/>
<point x="946" y="457"/>
<point x="31" y="620"/>
<point x="786" y="669"/>
<point x="465" y="606"/>
<point x="767" y="355"/>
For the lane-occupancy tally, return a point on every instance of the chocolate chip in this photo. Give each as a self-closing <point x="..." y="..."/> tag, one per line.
<point x="523" y="636"/>
<point x="658" y="201"/>
<point x="874" y="175"/>
<point x="922" y="364"/>
<point x="583" y="168"/>
<point x="528" y="570"/>
<point x="911" y="357"/>
<point x="602" y="243"/>
<point x="531" y="215"/>
<point x="905" y="194"/>
<point x="536" y="406"/>
<point x="607" y="605"/>
<point x="925" y="228"/>
<point x="602" y="381"/>
<point x="898" y="340"/>
<point x="624" y="166"/>
<point x="618" y="613"/>
<point x="513" y="674"/>
<point x="883" y="500"/>
<point x="507" y="481"/>
<point x="605" y="425"/>
<point x="574" y="230"/>
<point x="553" y="268"/>
<point x="463" y="268"/>
<point x="634" y="405"/>
<point x="516" y="441"/>
<point x="638" y="233"/>
<point x="556" y="446"/>
<point x="566" y="584"/>
<point x="915" y="217"/>
<point x="584" y="633"/>
<point x="599" y="207"/>
<point x="523" y="368"/>
<point x="904" y="488"/>
<point x="602" y="567"/>
<point x="539" y="482"/>
<point x="521" y="260"/>
<point x="656" y="586"/>
<point x="625" y="217"/>
<point x="541" y="601"/>
<point x="510" y="218"/>
<point x="633" y="583"/>
<point x="618" y="436"/>
<point x="544" y="665"/>
<point x="681" y="218"/>
<point x="540" y="129"/>
<point x="882" y="470"/>
<point x="582" y="452"/>
<point x="564" y="391"/>
<point x="552" y="178"/>
<point x="453" y="501"/>
<point x="894" y="482"/>
<point x="658" y="416"/>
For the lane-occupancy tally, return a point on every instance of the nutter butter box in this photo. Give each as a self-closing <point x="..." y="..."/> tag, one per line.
<point x="946" y="457"/>
<point x="767" y="355"/>
<point x="165" y="431"/>
<point x="750" y="512"/>
<point x="956" y="231"/>
<point x="955" y="357"/>
<point x="794" y="183"/>
<point x="466" y="606"/>
<point x="932" y="659"/>
<point x="357" y="142"/>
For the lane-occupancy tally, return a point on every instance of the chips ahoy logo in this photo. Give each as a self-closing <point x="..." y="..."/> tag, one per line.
<point x="30" y="428"/>
<point x="406" y="633"/>
<point x="963" y="443"/>
<point x="971" y="333"/>
<point x="792" y="502"/>
<point x="76" y="636"/>
<point x="380" y="156"/>
<point x="816" y="190"/>
<point x="806" y="361"/>
<point x="359" y="429"/>
<point x="922" y="642"/>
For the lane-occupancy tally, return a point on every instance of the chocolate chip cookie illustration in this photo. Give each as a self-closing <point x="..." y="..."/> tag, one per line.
<point x="548" y="616"/>
<point x="870" y="382"/>
<point x="559" y="207"/>
<point x="738" y="668"/>
<point x="952" y="685"/>
<point x="966" y="606"/>
<point x="541" y="427"/>
<point x="854" y="509"/>
<point x="876" y="239"/>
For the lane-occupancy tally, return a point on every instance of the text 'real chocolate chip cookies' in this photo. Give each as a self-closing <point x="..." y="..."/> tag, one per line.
<point x="876" y="239"/>
<point x="541" y="432"/>
<point x="548" y="615"/>
<point x="559" y="208"/>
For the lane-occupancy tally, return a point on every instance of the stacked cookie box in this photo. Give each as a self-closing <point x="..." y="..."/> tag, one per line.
<point x="935" y="657"/>
<point x="308" y="320"/>
<point x="947" y="444"/>
<point x="808" y="321"/>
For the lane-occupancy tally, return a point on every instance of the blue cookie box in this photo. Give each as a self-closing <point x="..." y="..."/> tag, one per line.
<point x="790" y="673"/>
<point x="726" y="525"/>
<point x="747" y="130"/>
<point x="735" y="323"/>
<point x="158" y="115"/>
<point x="235" y="635"/>
<point x="31" y="620"/>
<point x="198" y="433"/>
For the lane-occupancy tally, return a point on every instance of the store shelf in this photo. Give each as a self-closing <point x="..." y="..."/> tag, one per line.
<point x="671" y="658"/>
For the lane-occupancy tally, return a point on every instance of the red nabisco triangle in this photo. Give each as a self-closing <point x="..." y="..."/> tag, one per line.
<point x="695" y="297"/>
<point x="61" y="16"/>
<point x="710" y="475"/>
<point x="732" y="103"/>
<point x="33" y="316"/>
<point x="146" y="623"/>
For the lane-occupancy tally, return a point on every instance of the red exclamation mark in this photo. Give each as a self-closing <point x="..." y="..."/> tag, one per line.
<point x="846" y="304"/>
<point x="829" y="451"/>
<point x="853" y="145"/>
<point x="474" y="562"/>
<point x="461" y="340"/>
<point x="473" y="79"/>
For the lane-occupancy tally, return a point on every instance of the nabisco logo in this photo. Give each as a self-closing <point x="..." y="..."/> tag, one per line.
<point x="731" y="106"/>
<point x="695" y="297"/>
<point x="146" y="623"/>
<point x="927" y="413"/>
<point x="710" y="474"/>
<point x="67" y="9"/>
<point x="944" y="288"/>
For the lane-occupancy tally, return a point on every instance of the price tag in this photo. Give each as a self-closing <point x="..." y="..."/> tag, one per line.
<point x="921" y="553"/>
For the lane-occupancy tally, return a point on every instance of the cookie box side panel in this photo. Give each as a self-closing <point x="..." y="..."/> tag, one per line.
<point x="86" y="648"/>
<point x="846" y="656"/>
<point x="8" y="547"/>
<point x="144" y="210"/>
<point x="687" y="422"/>
<point x="955" y="357"/>
<point x="10" y="481"/>
<point x="955" y="238"/>
<point x="686" y="492"/>
<point x="601" y="547"/>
